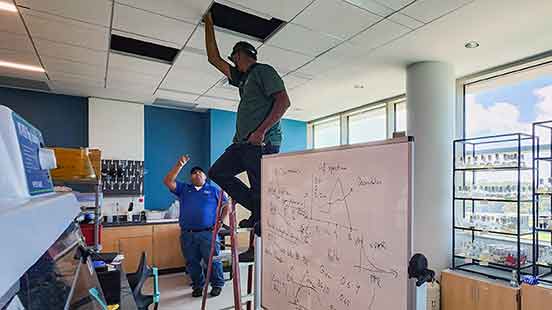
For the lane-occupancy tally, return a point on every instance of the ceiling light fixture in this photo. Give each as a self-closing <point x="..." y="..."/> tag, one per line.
<point x="21" y="66"/>
<point x="472" y="44"/>
<point x="358" y="86"/>
<point x="6" y="6"/>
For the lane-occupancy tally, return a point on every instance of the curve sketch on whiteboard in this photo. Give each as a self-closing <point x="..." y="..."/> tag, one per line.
<point x="323" y="216"/>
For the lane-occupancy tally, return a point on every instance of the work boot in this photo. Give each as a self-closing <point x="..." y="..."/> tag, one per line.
<point x="247" y="223"/>
<point x="215" y="291"/>
<point x="247" y="256"/>
<point x="198" y="292"/>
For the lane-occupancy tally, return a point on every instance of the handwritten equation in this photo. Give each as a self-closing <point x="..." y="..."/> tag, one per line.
<point x="322" y="255"/>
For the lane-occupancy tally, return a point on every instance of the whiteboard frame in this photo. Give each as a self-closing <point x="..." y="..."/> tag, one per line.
<point x="411" y="287"/>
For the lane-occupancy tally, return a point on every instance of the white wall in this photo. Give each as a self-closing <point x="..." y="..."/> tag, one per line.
<point x="117" y="128"/>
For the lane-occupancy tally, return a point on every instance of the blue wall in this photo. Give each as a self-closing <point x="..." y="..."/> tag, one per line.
<point x="63" y="120"/>
<point x="223" y="124"/>
<point x="169" y="134"/>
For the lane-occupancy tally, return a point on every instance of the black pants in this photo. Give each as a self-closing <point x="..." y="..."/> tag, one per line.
<point x="236" y="159"/>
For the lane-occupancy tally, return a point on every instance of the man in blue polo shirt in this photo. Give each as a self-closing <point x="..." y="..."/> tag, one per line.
<point x="198" y="205"/>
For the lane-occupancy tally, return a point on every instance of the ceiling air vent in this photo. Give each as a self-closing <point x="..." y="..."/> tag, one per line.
<point x="245" y="23"/>
<point x="13" y="82"/>
<point x="142" y="48"/>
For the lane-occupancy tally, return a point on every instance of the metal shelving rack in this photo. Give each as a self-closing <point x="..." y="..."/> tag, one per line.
<point x="514" y="144"/>
<point x="542" y="156"/>
<point x="88" y="186"/>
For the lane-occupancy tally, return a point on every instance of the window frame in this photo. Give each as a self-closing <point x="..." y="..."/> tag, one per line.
<point x="388" y="103"/>
<point x="489" y="74"/>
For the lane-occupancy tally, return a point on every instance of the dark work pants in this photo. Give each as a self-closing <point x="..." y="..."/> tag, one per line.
<point x="236" y="159"/>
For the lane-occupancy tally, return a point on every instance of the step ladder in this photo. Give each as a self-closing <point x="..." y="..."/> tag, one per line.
<point x="234" y="259"/>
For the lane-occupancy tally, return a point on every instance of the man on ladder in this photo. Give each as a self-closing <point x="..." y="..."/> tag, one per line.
<point x="263" y="102"/>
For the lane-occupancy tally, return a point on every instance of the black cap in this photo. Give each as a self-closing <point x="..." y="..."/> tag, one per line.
<point x="195" y="169"/>
<point x="244" y="47"/>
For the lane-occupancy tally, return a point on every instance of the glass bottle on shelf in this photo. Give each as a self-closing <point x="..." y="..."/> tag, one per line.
<point x="490" y="161"/>
<point x="460" y="162"/>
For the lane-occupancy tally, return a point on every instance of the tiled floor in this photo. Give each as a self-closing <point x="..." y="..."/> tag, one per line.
<point x="176" y="293"/>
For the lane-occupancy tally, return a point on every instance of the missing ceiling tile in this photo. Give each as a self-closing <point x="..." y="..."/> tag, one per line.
<point x="243" y="22"/>
<point x="145" y="49"/>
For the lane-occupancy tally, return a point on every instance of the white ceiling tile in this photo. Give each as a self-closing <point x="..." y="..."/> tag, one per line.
<point x="57" y="29"/>
<point x="293" y="81"/>
<point x="396" y="4"/>
<point x="124" y="63"/>
<point x="189" y="81"/>
<point x="131" y="85"/>
<point x="140" y="22"/>
<point x="282" y="9"/>
<point x="303" y="40"/>
<point x="69" y="52"/>
<point x="189" y="10"/>
<point x="428" y="10"/>
<point x="95" y="11"/>
<point x="24" y="74"/>
<point x="74" y="78"/>
<point x="84" y="90"/>
<point x="225" y="41"/>
<point x="381" y="33"/>
<point x="282" y="60"/>
<point x="373" y="6"/>
<point x="337" y="18"/>
<point x="194" y="62"/>
<point x="329" y="60"/>
<point x="229" y="93"/>
<point x="26" y="58"/>
<point x="175" y="95"/>
<point x="11" y="23"/>
<point x="16" y="42"/>
<point x="406" y="20"/>
<point x="216" y="103"/>
<point x="93" y="72"/>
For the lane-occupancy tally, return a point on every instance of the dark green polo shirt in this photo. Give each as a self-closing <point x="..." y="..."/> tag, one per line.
<point x="257" y="87"/>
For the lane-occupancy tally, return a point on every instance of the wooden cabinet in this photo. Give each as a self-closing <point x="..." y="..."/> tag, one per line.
<point x="457" y="292"/>
<point x="461" y="291"/>
<point x="161" y="242"/>
<point x="535" y="297"/>
<point x="166" y="246"/>
<point x="132" y="248"/>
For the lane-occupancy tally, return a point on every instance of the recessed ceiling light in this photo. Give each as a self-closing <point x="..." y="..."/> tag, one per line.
<point x="21" y="66"/>
<point x="6" y="6"/>
<point x="472" y="44"/>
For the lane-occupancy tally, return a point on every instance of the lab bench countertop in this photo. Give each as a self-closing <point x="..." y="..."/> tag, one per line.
<point x="151" y="222"/>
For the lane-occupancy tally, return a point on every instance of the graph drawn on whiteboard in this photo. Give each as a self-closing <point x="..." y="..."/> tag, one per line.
<point x="335" y="229"/>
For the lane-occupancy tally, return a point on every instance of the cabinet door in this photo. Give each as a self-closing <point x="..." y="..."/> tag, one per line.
<point x="166" y="246"/>
<point x="496" y="297"/>
<point x="132" y="248"/>
<point x="458" y="292"/>
<point x="535" y="298"/>
<point x="110" y="240"/>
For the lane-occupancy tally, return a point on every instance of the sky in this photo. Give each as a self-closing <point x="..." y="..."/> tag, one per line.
<point x="510" y="108"/>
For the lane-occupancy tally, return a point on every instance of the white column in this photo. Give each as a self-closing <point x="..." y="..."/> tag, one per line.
<point x="430" y="93"/>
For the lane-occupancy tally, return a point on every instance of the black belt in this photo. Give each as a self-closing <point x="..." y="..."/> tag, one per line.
<point x="198" y="230"/>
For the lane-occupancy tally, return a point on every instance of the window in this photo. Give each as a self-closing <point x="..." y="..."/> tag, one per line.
<point x="375" y="121"/>
<point x="508" y="103"/>
<point x="327" y="132"/>
<point x="400" y="116"/>
<point x="368" y="125"/>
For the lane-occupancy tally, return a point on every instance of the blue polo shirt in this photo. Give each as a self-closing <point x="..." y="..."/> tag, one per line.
<point x="198" y="208"/>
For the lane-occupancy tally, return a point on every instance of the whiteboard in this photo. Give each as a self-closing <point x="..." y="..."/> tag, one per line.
<point x="336" y="228"/>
